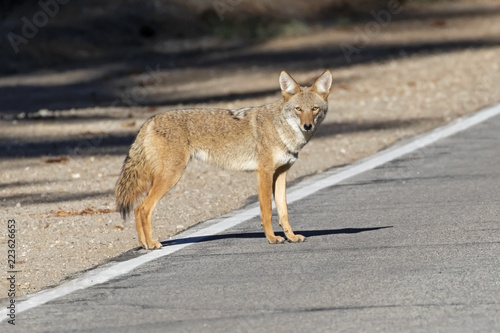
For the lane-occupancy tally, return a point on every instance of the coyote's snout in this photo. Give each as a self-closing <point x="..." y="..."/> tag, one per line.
<point x="266" y="139"/>
<point x="307" y="118"/>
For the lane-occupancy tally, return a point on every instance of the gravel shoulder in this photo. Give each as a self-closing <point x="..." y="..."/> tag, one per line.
<point x="59" y="164"/>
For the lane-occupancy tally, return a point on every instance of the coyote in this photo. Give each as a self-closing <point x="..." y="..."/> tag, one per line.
<point x="266" y="139"/>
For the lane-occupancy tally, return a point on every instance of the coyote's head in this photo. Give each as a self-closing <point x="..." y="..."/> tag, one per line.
<point x="307" y="105"/>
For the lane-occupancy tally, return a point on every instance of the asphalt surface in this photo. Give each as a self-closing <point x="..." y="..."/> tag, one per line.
<point x="411" y="246"/>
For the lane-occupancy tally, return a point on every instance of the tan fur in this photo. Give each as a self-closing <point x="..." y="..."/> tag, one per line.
<point x="266" y="139"/>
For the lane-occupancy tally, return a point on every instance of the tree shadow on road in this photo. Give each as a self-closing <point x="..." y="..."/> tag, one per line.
<point x="111" y="81"/>
<point x="27" y="199"/>
<point x="117" y="72"/>
<point x="118" y="144"/>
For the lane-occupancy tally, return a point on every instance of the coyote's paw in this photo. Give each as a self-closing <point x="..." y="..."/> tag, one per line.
<point x="276" y="240"/>
<point x="152" y="245"/>
<point x="296" y="239"/>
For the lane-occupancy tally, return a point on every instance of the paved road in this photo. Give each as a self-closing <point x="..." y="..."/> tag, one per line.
<point x="413" y="245"/>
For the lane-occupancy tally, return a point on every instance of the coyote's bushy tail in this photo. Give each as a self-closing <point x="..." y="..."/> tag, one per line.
<point x="134" y="179"/>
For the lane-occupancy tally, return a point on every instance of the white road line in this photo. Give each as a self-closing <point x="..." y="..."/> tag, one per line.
<point x="297" y="192"/>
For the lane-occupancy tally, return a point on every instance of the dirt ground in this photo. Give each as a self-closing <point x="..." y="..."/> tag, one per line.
<point x="64" y="133"/>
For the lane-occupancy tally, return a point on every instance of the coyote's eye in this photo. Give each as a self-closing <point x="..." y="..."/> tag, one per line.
<point x="298" y="109"/>
<point x="315" y="109"/>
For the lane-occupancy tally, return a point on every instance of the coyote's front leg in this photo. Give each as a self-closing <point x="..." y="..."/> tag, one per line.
<point x="279" y="190"/>
<point x="265" y="182"/>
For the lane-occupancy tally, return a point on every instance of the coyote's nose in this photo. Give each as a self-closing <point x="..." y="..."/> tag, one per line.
<point x="308" y="127"/>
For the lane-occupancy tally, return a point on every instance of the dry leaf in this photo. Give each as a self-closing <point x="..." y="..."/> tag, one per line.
<point x="86" y="211"/>
<point x="438" y="23"/>
<point x="61" y="213"/>
<point x="61" y="159"/>
<point x="128" y="123"/>
<point x="340" y="87"/>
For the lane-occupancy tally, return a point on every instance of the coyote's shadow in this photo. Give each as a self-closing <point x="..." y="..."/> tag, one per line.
<point x="306" y="233"/>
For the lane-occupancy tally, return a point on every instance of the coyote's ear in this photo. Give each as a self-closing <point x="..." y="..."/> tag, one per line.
<point x="288" y="85"/>
<point x="323" y="84"/>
